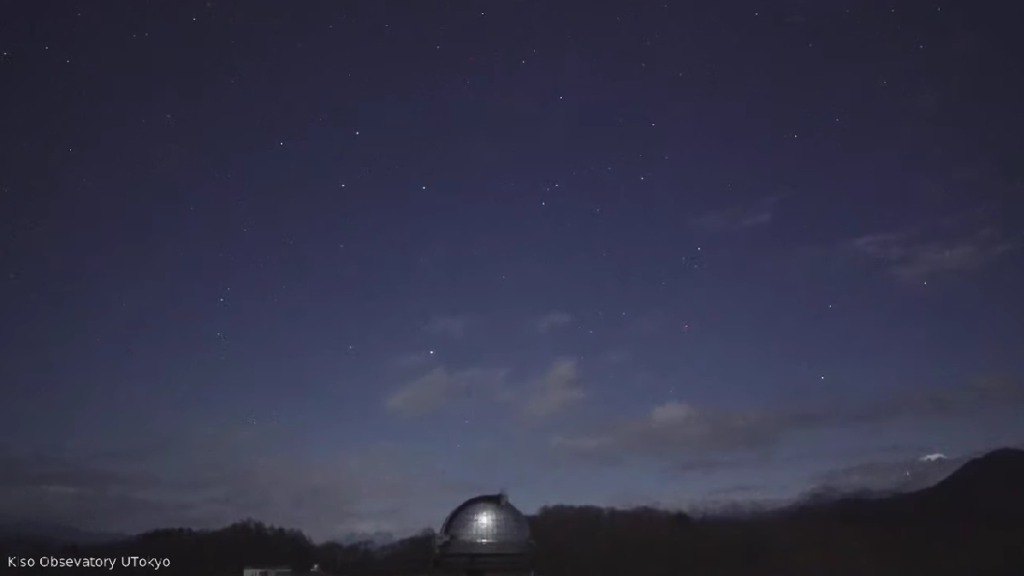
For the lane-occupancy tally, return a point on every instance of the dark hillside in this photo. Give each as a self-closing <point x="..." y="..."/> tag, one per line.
<point x="970" y="523"/>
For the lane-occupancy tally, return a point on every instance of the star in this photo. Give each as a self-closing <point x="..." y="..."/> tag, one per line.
<point x="518" y="297"/>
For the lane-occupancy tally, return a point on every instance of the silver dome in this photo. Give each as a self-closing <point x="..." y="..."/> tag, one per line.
<point x="485" y="525"/>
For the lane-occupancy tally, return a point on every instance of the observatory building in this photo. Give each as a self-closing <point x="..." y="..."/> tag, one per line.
<point x="483" y="536"/>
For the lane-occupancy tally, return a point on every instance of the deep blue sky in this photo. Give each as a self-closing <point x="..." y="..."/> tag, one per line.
<point x="342" y="265"/>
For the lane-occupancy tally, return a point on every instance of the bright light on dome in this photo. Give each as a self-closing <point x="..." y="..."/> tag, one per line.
<point x="485" y="519"/>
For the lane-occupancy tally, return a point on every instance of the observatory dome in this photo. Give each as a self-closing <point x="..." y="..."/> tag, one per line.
<point x="485" y="525"/>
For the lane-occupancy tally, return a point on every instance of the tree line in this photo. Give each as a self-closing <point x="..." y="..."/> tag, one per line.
<point x="971" y="523"/>
<point x="852" y="538"/>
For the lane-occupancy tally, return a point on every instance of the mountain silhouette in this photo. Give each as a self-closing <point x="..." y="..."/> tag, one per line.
<point x="972" y="522"/>
<point x="999" y="473"/>
<point x="987" y="488"/>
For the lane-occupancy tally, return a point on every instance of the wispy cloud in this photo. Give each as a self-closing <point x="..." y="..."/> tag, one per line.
<point x="556" y="391"/>
<point x="651" y="322"/>
<point x="683" y="436"/>
<point x="982" y="393"/>
<point x="452" y="325"/>
<point x="211" y="478"/>
<point x="744" y="490"/>
<point x="614" y="357"/>
<point x="440" y="387"/>
<point x="413" y="361"/>
<point x="915" y="255"/>
<point x="899" y="475"/>
<point x="679" y="433"/>
<point x="552" y="320"/>
<point x="752" y="215"/>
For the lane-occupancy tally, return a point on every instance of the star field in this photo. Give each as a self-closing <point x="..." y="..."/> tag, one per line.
<point x="340" y="266"/>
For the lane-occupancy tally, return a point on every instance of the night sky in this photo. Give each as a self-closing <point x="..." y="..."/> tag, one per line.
<point x="340" y="266"/>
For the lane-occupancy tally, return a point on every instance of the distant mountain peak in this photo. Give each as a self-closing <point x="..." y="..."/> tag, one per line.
<point x="986" y="487"/>
<point x="1001" y="469"/>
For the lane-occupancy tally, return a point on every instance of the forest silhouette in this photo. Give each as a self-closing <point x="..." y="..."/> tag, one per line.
<point x="969" y="523"/>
